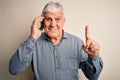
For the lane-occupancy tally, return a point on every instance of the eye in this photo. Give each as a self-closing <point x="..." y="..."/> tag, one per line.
<point x="48" y="19"/>
<point x="58" y="19"/>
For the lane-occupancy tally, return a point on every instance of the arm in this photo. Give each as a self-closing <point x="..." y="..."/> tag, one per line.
<point x="23" y="56"/>
<point x="93" y="65"/>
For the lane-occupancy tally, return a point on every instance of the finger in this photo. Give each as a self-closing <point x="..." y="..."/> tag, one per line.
<point x="37" y="20"/>
<point x="94" y="46"/>
<point x="87" y="34"/>
<point x="88" y="42"/>
<point x="84" y="47"/>
<point x="84" y="44"/>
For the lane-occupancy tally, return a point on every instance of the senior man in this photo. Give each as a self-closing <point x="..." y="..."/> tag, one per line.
<point x="55" y="54"/>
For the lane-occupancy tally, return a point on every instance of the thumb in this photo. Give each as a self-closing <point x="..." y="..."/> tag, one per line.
<point x="84" y="45"/>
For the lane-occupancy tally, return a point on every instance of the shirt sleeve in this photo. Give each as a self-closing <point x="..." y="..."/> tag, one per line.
<point x="92" y="67"/>
<point x="22" y="57"/>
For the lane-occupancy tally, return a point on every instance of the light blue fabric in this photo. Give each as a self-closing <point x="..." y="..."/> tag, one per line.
<point x="60" y="62"/>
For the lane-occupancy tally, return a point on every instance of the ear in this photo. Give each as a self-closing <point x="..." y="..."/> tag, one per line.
<point x="64" y="19"/>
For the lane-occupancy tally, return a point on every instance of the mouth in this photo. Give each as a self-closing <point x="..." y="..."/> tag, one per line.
<point x="53" y="29"/>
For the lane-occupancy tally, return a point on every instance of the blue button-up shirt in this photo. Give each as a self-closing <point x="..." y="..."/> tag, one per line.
<point x="60" y="62"/>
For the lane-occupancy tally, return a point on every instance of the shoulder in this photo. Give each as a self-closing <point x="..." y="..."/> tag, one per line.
<point x="43" y="36"/>
<point x="75" y="40"/>
<point x="73" y="37"/>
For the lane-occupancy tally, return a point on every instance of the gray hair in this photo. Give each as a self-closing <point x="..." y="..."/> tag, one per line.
<point x="52" y="7"/>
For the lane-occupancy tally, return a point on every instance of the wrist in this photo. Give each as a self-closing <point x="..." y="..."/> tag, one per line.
<point x="34" y="36"/>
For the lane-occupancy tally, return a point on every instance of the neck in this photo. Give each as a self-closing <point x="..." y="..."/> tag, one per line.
<point x="57" y="39"/>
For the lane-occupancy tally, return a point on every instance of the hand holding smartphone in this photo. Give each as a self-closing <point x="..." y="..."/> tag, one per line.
<point x="35" y="30"/>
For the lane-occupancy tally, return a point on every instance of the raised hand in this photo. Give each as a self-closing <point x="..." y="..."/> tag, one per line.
<point x="91" y="47"/>
<point x="35" y="31"/>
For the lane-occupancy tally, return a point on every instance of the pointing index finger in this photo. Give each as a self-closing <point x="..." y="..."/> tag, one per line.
<point x="87" y="33"/>
<point x="87" y="36"/>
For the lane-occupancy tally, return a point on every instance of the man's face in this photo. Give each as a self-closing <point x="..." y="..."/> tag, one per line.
<point x="54" y="22"/>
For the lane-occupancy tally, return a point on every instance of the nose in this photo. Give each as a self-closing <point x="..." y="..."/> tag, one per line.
<point x="53" y="23"/>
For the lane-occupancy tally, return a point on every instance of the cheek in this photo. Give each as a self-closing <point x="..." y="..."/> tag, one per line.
<point x="62" y="25"/>
<point x="46" y="24"/>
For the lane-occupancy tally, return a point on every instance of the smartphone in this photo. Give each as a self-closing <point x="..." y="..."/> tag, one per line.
<point x="42" y="25"/>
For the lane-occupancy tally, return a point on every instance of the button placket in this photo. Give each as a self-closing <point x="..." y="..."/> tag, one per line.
<point x="56" y="61"/>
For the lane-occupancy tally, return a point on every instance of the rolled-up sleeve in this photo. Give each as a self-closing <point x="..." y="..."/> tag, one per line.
<point x="92" y="67"/>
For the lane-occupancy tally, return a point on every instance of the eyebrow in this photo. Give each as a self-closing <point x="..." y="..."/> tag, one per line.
<point x="55" y="17"/>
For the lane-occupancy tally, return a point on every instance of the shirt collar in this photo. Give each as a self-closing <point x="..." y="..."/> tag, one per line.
<point x="65" y="35"/>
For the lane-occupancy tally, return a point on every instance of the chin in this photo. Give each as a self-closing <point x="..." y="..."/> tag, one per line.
<point x="53" y="35"/>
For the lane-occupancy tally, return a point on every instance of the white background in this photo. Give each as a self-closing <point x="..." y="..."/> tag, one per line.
<point x="102" y="16"/>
